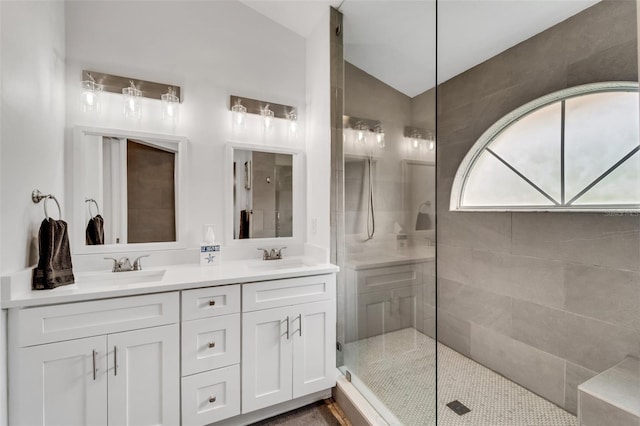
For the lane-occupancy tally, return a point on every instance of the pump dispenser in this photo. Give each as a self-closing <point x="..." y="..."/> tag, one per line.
<point x="209" y="249"/>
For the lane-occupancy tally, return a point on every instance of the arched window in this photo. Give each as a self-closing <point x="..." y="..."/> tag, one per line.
<point x="572" y="150"/>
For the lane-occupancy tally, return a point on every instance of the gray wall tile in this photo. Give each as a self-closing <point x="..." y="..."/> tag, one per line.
<point x="536" y="370"/>
<point x="539" y="326"/>
<point x="475" y="305"/>
<point x="574" y="377"/>
<point x="454" y="332"/>
<point x="610" y="295"/>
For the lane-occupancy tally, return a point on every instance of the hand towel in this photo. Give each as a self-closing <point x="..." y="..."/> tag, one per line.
<point x="423" y="221"/>
<point x="54" y="266"/>
<point x="95" y="231"/>
<point x="245" y="217"/>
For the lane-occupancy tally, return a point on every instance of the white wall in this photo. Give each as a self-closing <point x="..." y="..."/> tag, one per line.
<point x="33" y="108"/>
<point x="319" y="134"/>
<point x="211" y="49"/>
<point x="32" y="51"/>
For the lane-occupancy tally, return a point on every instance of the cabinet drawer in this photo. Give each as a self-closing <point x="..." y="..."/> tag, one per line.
<point x="387" y="278"/>
<point x="75" y="320"/>
<point x="212" y="396"/>
<point x="210" y="343"/>
<point x="210" y="302"/>
<point x="273" y="294"/>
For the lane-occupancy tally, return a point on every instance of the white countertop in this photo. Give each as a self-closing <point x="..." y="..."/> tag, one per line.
<point x="379" y="259"/>
<point x="17" y="293"/>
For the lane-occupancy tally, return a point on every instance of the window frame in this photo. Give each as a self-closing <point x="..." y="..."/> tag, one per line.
<point x="495" y="130"/>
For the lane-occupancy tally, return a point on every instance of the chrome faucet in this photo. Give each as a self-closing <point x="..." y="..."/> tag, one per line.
<point x="124" y="264"/>
<point x="273" y="254"/>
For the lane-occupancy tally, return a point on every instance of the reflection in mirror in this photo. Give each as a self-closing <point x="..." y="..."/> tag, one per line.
<point x="125" y="189"/>
<point x="263" y="194"/>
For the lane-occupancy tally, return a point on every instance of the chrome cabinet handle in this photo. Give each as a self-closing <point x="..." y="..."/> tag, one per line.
<point x="212" y="344"/>
<point x="94" y="364"/>
<point x="212" y="399"/>
<point x="288" y="335"/>
<point x="212" y="302"/>
<point x="300" y="324"/>
<point x="115" y="360"/>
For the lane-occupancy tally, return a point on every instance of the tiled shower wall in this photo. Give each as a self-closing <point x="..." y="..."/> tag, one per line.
<point x="546" y="299"/>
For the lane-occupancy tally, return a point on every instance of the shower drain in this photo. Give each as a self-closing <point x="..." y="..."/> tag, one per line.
<point x="458" y="407"/>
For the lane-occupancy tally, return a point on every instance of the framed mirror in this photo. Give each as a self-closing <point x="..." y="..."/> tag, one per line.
<point x="265" y="190"/>
<point x="128" y="189"/>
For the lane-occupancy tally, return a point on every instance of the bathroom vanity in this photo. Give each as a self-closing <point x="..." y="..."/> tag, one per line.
<point x="181" y="345"/>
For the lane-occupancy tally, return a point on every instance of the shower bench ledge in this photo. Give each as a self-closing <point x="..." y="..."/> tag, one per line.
<point x="611" y="397"/>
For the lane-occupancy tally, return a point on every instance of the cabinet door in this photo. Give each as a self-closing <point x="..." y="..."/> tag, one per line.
<point x="314" y="357"/>
<point x="144" y="377"/>
<point x="266" y="358"/>
<point x="61" y="384"/>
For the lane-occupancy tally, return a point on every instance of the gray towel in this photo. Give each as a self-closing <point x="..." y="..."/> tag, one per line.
<point x="95" y="231"/>
<point x="54" y="267"/>
<point x="423" y="221"/>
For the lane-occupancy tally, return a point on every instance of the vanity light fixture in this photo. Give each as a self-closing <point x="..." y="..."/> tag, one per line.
<point x="267" y="117"/>
<point x="239" y="114"/>
<point x="90" y="96"/>
<point x="133" y="90"/>
<point x="170" y="103"/>
<point x="416" y="141"/>
<point x="268" y="111"/>
<point x="132" y="101"/>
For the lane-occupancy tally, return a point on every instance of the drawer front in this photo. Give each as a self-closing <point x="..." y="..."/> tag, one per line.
<point x="277" y="293"/>
<point x="377" y="279"/>
<point x="75" y="320"/>
<point x="210" y="302"/>
<point x="210" y="343"/>
<point x="210" y="397"/>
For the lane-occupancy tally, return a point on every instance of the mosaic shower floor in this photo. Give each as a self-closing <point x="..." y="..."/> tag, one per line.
<point x="399" y="369"/>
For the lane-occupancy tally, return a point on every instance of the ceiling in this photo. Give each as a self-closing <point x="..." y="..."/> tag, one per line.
<point x="395" y="40"/>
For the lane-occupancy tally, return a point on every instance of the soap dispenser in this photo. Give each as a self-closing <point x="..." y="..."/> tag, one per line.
<point x="209" y="249"/>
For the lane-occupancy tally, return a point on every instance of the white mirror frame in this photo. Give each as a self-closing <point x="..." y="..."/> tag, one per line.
<point x="299" y="202"/>
<point x="177" y="144"/>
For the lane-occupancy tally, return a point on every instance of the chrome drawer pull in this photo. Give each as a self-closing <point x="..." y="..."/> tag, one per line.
<point x="94" y="364"/>
<point x="212" y="399"/>
<point x="212" y="302"/>
<point x="212" y="344"/>
<point x="115" y="360"/>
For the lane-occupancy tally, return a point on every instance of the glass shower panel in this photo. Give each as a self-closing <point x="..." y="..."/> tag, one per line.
<point x="390" y="207"/>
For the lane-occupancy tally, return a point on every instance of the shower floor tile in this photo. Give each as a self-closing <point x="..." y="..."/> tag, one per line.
<point x="399" y="369"/>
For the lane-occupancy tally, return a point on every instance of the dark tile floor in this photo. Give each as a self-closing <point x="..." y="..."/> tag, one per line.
<point x="321" y="413"/>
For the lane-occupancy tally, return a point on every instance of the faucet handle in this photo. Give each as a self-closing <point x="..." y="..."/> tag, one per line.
<point x="116" y="263"/>
<point x="279" y="252"/>
<point x="137" y="264"/>
<point x="265" y="253"/>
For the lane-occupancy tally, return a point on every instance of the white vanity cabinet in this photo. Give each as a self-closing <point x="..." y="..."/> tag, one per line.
<point x="288" y="339"/>
<point x="106" y="362"/>
<point x="210" y="354"/>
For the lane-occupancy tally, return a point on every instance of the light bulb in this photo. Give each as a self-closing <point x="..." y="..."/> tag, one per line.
<point x="293" y="122"/>
<point x="132" y="101"/>
<point x="432" y="145"/>
<point x="170" y="105"/>
<point x="90" y="96"/>
<point x="414" y="142"/>
<point x="239" y="113"/>
<point x="360" y="135"/>
<point x="267" y="118"/>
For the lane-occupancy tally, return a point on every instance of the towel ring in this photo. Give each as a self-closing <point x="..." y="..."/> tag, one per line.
<point x="37" y="196"/>
<point x="91" y="200"/>
<point x="427" y="205"/>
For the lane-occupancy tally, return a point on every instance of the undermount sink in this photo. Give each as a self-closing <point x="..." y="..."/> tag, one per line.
<point x="86" y="279"/>
<point x="269" y="265"/>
